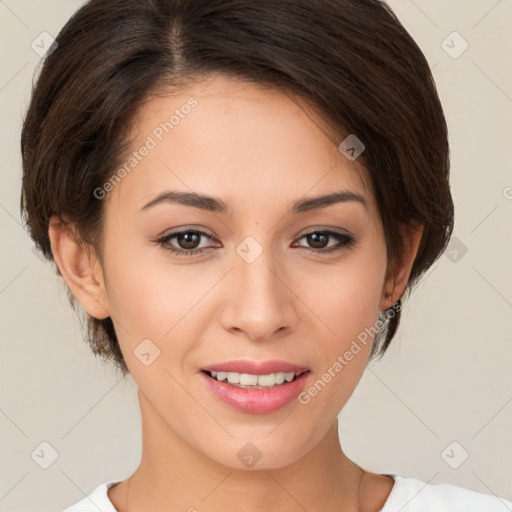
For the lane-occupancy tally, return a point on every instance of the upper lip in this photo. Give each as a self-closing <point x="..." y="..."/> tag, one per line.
<point x="256" y="367"/>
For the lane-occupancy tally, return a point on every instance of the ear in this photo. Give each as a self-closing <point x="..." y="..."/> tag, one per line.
<point x="79" y="267"/>
<point x="396" y="282"/>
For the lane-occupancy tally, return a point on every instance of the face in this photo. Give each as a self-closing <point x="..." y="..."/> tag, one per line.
<point x="192" y="286"/>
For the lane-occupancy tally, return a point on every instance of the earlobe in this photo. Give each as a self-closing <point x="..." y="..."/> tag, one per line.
<point x="395" y="284"/>
<point x="81" y="272"/>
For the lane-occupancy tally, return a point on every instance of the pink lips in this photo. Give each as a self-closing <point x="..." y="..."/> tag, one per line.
<point x="256" y="401"/>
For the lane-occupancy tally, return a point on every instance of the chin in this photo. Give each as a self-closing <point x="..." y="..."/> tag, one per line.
<point x="260" y="451"/>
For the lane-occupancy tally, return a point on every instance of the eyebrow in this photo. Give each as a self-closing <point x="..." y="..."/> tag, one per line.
<point x="213" y="204"/>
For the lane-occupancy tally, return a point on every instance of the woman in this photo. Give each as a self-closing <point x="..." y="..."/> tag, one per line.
<point x="239" y="194"/>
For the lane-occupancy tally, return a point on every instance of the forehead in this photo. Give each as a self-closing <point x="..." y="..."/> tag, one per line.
<point x="236" y="140"/>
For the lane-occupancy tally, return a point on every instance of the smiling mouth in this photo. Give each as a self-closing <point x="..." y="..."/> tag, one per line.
<point x="251" y="381"/>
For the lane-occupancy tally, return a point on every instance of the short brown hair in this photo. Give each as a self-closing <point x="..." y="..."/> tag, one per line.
<point x="352" y="60"/>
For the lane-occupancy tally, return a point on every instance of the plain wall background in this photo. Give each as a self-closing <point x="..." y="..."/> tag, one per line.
<point x="446" y="377"/>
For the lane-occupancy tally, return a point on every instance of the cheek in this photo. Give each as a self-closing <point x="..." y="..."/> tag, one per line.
<point x="348" y="309"/>
<point x="152" y="300"/>
<point x="141" y="301"/>
<point x="163" y="302"/>
<point x="346" y="296"/>
<point x="346" y="300"/>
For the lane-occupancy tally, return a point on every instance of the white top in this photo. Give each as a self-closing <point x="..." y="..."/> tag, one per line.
<point x="407" y="495"/>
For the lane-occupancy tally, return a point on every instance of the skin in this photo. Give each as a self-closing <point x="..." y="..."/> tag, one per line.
<point x="258" y="151"/>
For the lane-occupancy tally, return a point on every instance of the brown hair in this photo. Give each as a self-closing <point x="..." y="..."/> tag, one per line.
<point x="352" y="60"/>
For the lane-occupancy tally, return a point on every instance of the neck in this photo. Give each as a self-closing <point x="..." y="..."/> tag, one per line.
<point x="172" y="474"/>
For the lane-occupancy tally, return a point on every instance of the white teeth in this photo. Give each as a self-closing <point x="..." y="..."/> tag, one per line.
<point x="249" y="380"/>
<point x="289" y="376"/>
<point x="280" y="377"/>
<point x="267" y="380"/>
<point x="233" y="378"/>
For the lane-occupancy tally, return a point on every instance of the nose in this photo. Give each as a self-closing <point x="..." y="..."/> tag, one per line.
<point x="259" y="301"/>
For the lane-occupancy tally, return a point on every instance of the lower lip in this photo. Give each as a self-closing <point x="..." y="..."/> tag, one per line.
<point x="256" y="401"/>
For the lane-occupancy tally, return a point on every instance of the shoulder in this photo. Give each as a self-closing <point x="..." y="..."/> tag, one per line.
<point x="413" y="495"/>
<point x="96" y="501"/>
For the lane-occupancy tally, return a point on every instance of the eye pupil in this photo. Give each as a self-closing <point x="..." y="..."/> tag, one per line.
<point x="317" y="238"/>
<point x="187" y="240"/>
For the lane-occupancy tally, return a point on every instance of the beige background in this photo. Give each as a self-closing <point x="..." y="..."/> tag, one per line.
<point x="446" y="377"/>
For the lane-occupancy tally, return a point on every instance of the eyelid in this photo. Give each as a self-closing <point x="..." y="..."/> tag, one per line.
<point x="211" y="235"/>
<point x="317" y="229"/>
<point x="187" y="228"/>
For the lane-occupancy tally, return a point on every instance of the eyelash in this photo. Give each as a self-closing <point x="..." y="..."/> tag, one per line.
<point x="345" y="240"/>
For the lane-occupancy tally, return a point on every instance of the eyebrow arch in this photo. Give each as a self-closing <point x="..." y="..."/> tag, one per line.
<point x="203" y="202"/>
<point x="312" y="203"/>
<point x="216" y="205"/>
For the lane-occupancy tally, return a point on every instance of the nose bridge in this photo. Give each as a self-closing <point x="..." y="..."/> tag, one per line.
<point x="259" y="302"/>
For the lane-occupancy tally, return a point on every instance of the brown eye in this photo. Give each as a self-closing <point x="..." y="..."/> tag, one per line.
<point x="188" y="239"/>
<point x="319" y="240"/>
<point x="186" y="242"/>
